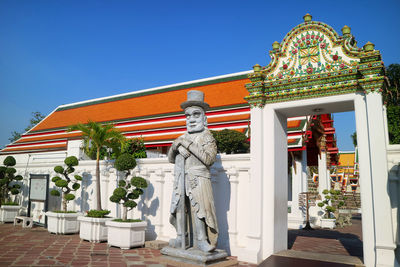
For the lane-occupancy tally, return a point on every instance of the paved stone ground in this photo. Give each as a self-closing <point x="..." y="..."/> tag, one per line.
<point x="37" y="247"/>
<point x="343" y="241"/>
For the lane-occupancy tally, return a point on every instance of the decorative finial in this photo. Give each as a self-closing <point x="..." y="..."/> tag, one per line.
<point x="276" y="45"/>
<point x="368" y="47"/>
<point x="257" y="68"/>
<point x="307" y="17"/>
<point x="346" y="30"/>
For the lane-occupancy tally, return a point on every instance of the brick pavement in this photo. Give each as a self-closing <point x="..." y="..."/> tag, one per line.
<point x="37" y="247"/>
<point x="343" y="241"/>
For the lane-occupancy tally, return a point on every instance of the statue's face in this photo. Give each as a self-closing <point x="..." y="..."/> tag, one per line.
<point x="195" y="119"/>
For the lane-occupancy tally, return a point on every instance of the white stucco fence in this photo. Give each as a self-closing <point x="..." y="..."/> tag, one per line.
<point x="230" y="180"/>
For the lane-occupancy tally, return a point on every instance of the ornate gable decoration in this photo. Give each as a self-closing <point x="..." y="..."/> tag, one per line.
<point x="312" y="61"/>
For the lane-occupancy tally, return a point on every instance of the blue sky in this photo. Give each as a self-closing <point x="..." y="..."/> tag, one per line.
<point x="56" y="52"/>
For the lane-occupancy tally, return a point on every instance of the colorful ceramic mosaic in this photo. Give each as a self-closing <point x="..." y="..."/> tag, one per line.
<point x="313" y="61"/>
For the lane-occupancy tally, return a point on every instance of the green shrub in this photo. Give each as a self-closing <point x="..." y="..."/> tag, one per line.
<point x="330" y="204"/>
<point x="11" y="204"/>
<point x="231" y="141"/>
<point x="71" y="161"/>
<point x="64" y="183"/>
<point x="125" y="162"/>
<point x="59" y="169"/>
<point x="9" y="161"/>
<point x="98" y="213"/>
<point x="9" y="181"/>
<point x="55" y="193"/>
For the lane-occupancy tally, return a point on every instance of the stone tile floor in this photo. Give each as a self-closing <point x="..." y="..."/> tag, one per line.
<point x="341" y="241"/>
<point x="36" y="247"/>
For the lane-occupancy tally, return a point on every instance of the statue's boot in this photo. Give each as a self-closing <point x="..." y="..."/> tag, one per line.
<point x="176" y="242"/>
<point x="204" y="246"/>
<point x="202" y="242"/>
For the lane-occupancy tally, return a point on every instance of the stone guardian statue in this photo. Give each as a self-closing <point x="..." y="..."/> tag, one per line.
<point x="192" y="205"/>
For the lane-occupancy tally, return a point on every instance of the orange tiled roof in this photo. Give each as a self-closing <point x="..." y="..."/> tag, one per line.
<point x="155" y="115"/>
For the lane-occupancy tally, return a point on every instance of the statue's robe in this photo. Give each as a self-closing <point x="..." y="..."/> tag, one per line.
<point x="196" y="171"/>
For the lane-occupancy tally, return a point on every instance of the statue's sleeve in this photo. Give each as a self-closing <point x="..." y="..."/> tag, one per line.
<point x="172" y="151"/>
<point x="205" y="150"/>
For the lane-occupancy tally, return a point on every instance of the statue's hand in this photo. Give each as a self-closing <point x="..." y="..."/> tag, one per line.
<point x="184" y="152"/>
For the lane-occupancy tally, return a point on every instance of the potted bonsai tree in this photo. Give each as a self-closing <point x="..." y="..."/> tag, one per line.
<point x="9" y="187"/>
<point x="330" y="204"/>
<point x="64" y="221"/>
<point x="126" y="233"/>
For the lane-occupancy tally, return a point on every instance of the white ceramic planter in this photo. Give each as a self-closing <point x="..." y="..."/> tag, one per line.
<point x="126" y="235"/>
<point x="8" y="212"/>
<point x="328" y="223"/>
<point x="93" y="229"/>
<point x="62" y="223"/>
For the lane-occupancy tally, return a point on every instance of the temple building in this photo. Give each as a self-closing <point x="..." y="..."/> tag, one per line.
<point x="285" y="110"/>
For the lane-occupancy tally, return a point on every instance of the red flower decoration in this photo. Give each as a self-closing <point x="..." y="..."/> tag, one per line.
<point x="296" y="44"/>
<point x="299" y="41"/>
<point x="294" y="51"/>
<point x="335" y="57"/>
<point x="312" y="36"/>
<point x="320" y="39"/>
<point x="323" y="45"/>
<point x="308" y="36"/>
<point x="342" y="65"/>
<point x="302" y="38"/>
<point x="285" y="66"/>
<point x="309" y="70"/>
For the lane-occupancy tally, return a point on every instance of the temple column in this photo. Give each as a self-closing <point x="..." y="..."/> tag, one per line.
<point x="378" y="241"/>
<point x="254" y="222"/>
<point x="323" y="172"/>
<point x="274" y="183"/>
<point x="296" y="217"/>
<point x="384" y="245"/>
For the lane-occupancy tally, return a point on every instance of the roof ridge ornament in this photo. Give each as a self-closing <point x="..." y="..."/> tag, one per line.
<point x="307" y="17"/>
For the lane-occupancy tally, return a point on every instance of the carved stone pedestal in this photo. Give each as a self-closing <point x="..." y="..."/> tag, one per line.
<point x="195" y="256"/>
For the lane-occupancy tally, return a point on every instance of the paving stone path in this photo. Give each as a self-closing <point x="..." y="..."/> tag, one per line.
<point x="37" y="247"/>
<point x="341" y="241"/>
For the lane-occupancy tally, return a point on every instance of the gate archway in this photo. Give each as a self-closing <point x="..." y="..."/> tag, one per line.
<point x="314" y="70"/>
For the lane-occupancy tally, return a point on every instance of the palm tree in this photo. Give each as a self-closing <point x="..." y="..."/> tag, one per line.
<point x="100" y="136"/>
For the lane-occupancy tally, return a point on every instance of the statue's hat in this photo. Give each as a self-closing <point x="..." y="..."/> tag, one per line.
<point x="195" y="98"/>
